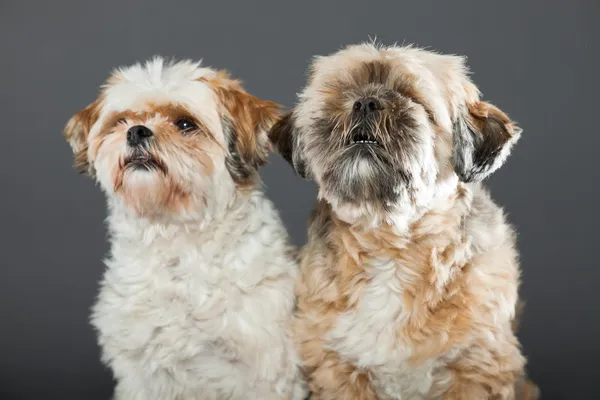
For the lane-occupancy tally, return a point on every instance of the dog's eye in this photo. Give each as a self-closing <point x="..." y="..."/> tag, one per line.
<point x="185" y="125"/>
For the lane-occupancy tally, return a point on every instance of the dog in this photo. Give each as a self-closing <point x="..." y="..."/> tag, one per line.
<point x="409" y="281"/>
<point x="197" y="298"/>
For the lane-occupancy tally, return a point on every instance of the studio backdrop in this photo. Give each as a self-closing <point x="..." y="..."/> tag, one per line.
<point x="537" y="60"/>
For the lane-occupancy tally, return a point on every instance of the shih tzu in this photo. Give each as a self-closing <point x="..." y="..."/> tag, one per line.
<point x="408" y="285"/>
<point x="197" y="298"/>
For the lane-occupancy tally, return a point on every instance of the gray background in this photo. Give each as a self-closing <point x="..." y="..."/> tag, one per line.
<point x="537" y="60"/>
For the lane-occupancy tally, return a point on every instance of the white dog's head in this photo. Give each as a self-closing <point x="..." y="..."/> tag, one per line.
<point x="172" y="140"/>
<point x="386" y="128"/>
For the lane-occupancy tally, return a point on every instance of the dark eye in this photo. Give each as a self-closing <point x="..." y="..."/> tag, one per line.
<point x="185" y="125"/>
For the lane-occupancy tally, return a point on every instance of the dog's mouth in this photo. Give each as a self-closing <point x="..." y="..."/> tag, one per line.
<point x="364" y="138"/>
<point x="143" y="161"/>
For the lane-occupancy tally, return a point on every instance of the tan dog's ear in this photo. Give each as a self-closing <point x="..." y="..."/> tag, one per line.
<point x="483" y="138"/>
<point x="284" y="137"/>
<point x="76" y="132"/>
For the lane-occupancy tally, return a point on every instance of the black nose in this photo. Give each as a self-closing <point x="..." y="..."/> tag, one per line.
<point x="137" y="135"/>
<point x="367" y="105"/>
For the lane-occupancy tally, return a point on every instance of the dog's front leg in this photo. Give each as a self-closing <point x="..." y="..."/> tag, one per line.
<point x="334" y="379"/>
<point x="487" y="372"/>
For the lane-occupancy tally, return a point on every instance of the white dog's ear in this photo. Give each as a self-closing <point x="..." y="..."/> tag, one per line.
<point x="76" y="132"/>
<point x="483" y="138"/>
<point x="246" y="129"/>
<point x="284" y="136"/>
<point x="246" y="120"/>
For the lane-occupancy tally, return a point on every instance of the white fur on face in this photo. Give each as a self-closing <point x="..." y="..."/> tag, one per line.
<point x="198" y="177"/>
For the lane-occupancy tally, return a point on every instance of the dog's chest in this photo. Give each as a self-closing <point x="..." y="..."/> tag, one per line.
<point x="370" y="334"/>
<point x="185" y="304"/>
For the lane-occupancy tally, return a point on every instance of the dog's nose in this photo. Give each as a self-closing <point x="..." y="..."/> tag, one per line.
<point x="138" y="134"/>
<point x="367" y="105"/>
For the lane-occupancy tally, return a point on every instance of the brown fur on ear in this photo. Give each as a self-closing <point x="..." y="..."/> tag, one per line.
<point x="76" y="132"/>
<point x="483" y="139"/>
<point x="284" y="138"/>
<point x="246" y="120"/>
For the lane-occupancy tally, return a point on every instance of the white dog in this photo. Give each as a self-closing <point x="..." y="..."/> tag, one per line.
<point x="197" y="298"/>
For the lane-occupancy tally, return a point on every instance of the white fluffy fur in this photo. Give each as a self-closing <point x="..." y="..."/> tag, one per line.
<point x="186" y="312"/>
<point x="195" y="303"/>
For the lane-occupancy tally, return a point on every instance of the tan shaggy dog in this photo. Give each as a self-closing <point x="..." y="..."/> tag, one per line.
<point x="409" y="281"/>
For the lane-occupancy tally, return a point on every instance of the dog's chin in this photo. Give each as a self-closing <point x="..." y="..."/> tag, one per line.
<point x="149" y="195"/>
<point x="363" y="157"/>
<point x="360" y="176"/>
<point x="144" y="187"/>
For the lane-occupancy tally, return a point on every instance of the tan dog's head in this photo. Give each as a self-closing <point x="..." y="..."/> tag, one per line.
<point x="384" y="128"/>
<point x="172" y="140"/>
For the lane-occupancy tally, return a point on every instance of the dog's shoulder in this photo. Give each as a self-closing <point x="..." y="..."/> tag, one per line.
<point x="486" y="223"/>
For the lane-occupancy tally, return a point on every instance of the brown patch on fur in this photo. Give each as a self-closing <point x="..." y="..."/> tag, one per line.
<point x="167" y="143"/>
<point x="281" y="136"/>
<point x="176" y="198"/>
<point x="527" y="390"/>
<point x="480" y="137"/>
<point x="78" y="127"/>
<point x="486" y="373"/>
<point x="488" y="119"/>
<point x="198" y="143"/>
<point x="166" y="195"/>
<point x="373" y="78"/>
<point x="122" y="169"/>
<point x="443" y="310"/>
<point x="76" y="131"/>
<point x="329" y="377"/>
<point x="171" y="112"/>
<point x="416" y="96"/>
<point x="327" y="282"/>
<point x="380" y="72"/>
<point x="336" y="379"/>
<point x="250" y="118"/>
<point x="438" y="319"/>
